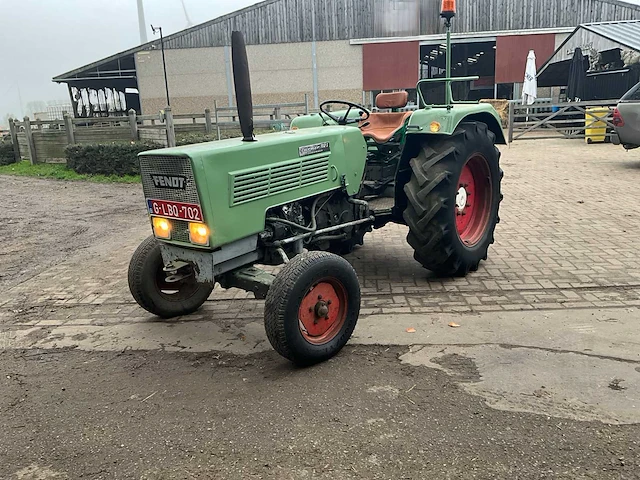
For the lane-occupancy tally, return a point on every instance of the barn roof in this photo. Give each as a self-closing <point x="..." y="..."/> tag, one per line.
<point x="285" y="21"/>
<point x="602" y="36"/>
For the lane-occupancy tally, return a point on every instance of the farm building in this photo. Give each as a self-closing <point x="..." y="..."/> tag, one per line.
<point x="336" y="49"/>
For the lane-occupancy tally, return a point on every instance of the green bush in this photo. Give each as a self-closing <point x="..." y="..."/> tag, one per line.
<point x="191" y="138"/>
<point x="107" y="159"/>
<point x="6" y="153"/>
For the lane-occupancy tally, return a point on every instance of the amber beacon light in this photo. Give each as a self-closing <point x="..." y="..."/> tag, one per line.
<point x="448" y="9"/>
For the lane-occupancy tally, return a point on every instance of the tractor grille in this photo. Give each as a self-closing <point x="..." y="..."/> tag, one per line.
<point x="250" y="185"/>
<point x="180" y="231"/>
<point x="170" y="166"/>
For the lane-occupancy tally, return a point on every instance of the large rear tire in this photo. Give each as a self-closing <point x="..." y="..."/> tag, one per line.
<point x="148" y="285"/>
<point x="312" y="307"/>
<point x="453" y="200"/>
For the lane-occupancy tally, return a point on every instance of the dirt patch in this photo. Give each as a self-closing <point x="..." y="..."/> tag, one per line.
<point x="157" y="415"/>
<point x="42" y="222"/>
<point x="463" y="368"/>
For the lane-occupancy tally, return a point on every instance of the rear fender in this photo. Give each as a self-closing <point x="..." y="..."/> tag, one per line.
<point x="418" y="134"/>
<point x="449" y="119"/>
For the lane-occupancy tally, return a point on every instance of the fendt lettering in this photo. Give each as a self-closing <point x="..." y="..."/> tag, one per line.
<point x="310" y="195"/>
<point x="176" y="182"/>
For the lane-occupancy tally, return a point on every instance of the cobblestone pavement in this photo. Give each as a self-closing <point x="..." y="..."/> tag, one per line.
<point x="568" y="239"/>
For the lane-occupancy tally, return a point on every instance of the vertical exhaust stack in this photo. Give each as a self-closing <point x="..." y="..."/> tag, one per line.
<point x="242" y="83"/>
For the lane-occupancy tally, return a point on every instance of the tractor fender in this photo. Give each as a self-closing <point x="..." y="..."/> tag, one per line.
<point x="419" y="134"/>
<point x="422" y="122"/>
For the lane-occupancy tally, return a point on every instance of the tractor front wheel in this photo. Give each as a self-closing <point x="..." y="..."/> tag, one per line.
<point x="312" y="307"/>
<point x="453" y="200"/>
<point x="149" y="285"/>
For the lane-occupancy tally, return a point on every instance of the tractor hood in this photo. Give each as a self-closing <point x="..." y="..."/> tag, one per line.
<point x="238" y="181"/>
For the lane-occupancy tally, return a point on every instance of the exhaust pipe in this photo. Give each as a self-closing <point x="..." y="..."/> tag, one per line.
<point x="242" y="83"/>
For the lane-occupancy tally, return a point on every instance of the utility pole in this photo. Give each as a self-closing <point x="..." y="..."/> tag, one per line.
<point x="186" y="15"/>
<point x="164" y="62"/>
<point x="142" y="24"/>
<point x="20" y="100"/>
<point x="314" y="56"/>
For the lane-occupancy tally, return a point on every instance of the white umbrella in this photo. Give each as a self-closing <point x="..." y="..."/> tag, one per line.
<point x="530" y="87"/>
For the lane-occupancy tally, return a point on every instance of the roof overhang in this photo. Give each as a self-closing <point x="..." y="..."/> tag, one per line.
<point x="462" y="37"/>
<point x="610" y="34"/>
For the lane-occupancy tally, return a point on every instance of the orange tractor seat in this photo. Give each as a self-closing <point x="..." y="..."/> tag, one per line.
<point x="381" y="127"/>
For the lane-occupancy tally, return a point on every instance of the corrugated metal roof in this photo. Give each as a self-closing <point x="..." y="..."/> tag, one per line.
<point x="286" y="21"/>
<point x="625" y="33"/>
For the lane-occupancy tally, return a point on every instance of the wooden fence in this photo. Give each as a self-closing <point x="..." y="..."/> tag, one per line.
<point x="44" y="141"/>
<point x="573" y="120"/>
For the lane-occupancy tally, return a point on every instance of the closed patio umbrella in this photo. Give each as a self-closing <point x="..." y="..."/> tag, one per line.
<point x="577" y="76"/>
<point x="530" y="87"/>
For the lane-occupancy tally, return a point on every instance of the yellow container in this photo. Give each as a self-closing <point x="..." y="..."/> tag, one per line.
<point x="596" y="130"/>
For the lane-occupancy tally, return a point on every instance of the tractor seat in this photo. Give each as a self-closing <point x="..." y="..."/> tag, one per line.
<point x="382" y="127"/>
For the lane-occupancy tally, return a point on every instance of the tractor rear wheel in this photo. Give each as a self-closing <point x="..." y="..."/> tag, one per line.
<point x="312" y="307"/>
<point x="149" y="286"/>
<point x="453" y="200"/>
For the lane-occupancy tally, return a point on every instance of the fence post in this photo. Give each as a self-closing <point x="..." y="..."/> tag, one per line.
<point x="207" y="121"/>
<point x="31" y="145"/>
<point x="215" y="106"/>
<point x="306" y="104"/>
<point x="68" y="126"/>
<point x="133" y="124"/>
<point x="512" y="107"/>
<point x="171" y="131"/>
<point x="14" y="139"/>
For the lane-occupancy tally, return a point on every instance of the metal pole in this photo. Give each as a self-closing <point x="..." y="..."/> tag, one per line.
<point x="164" y="62"/>
<point x="164" y="66"/>
<point x="142" y="22"/>
<point x="314" y="58"/>
<point x="448" y="99"/>
<point x="228" y="69"/>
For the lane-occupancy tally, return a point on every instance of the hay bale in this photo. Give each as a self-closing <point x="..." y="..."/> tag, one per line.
<point x="501" y="106"/>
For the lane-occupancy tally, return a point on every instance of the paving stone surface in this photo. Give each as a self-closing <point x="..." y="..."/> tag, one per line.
<point x="568" y="239"/>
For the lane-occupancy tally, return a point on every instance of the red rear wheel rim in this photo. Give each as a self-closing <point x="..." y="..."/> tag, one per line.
<point x="323" y="311"/>
<point x="473" y="200"/>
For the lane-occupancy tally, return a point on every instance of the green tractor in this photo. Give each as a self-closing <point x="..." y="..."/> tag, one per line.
<point x="303" y="197"/>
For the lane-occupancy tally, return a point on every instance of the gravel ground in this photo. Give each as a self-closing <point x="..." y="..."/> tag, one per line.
<point x="43" y="222"/>
<point x="156" y="415"/>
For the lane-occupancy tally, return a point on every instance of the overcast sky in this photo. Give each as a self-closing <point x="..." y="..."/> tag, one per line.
<point x="40" y="39"/>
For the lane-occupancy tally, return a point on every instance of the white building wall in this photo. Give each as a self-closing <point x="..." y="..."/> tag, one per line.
<point x="280" y="73"/>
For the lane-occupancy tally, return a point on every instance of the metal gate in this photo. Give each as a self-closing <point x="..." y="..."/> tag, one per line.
<point x="564" y="120"/>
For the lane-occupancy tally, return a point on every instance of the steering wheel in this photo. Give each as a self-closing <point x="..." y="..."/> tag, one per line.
<point x="345" y="120"/>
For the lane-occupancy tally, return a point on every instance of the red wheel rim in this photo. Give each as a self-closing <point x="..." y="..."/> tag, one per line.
<point x="323" y="311"/>
<point x="473" y="200"/>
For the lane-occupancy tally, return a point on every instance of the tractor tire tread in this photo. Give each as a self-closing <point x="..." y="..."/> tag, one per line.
<point x="147" y="297"/>
<point x="437" y="166"/>
<point x="277" y="300"/>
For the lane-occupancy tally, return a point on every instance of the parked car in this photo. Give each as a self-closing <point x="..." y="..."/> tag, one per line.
<point x="626" y="118"/>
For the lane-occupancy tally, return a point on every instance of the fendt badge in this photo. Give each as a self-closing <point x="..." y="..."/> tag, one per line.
<point x="175" y="182"/>
<point x="314" y="149"/>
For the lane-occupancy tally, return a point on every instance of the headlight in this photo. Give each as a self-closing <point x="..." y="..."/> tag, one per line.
<point x="199" y="234"/>
<point x="161" y="227"/>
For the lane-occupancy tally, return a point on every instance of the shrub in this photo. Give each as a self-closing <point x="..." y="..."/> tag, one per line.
<point x="6" y="153"/>
<point x="107" y="159"/>
<point x="191" y="138"/>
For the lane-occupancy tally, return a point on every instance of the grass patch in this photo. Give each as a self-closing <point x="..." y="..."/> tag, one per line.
<point x="60" y="171"/>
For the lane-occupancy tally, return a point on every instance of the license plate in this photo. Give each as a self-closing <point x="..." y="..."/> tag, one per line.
<point x="181" y="211"/>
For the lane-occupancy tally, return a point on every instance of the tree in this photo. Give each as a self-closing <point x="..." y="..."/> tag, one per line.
<point x="5" y="119"/>
<point x="35" y="106"/>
